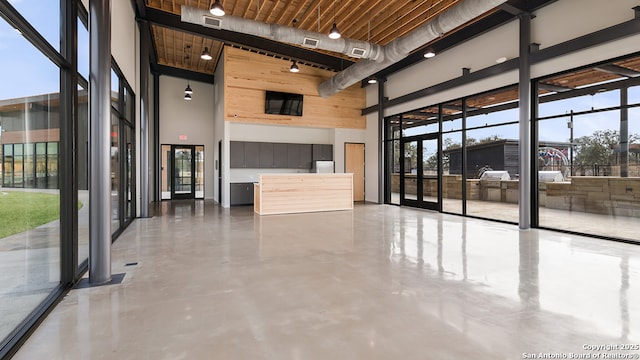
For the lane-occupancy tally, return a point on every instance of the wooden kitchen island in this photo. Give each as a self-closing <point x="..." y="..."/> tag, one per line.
<point x="295" y="193"/>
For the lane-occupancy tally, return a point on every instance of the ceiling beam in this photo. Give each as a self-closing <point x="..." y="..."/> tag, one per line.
<point x="617" y="70"/>
<point x="185" y="74"/>
<point x="172" y="21"/>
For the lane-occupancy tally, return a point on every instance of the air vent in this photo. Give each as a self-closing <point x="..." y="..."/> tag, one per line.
<point x="310" y="43"/>
<point x="357" y="52"/>
<point x="212" y="22"/>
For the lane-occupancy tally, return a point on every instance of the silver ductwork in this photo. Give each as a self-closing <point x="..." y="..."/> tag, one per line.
<point x="373" y="57"/>
<point x="309" y="39"/>
<point x="402" y="47"/>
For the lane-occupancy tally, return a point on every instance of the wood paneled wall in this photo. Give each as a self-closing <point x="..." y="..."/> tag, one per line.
<point x="248" y="75"/>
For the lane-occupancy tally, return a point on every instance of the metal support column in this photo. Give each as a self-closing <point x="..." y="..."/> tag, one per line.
<point x="100" y="147"/>
<point x="68" y="127"/>
<point x="144" y="121"/>
<point x="381" y="100"/>
<point x="524" y="143"/>
<point x="624" y="132"/>
<point x="156" y="137"/>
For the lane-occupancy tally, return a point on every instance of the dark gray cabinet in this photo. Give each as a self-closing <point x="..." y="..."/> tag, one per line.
<point x="264" y="155"/>
<point x="241" y="193"/>
<point x="280" y="155"/>
<point x="322" y="152"/>
<point x="251" y="155"/>
<point x="304" y="160"/>
<point x="236" y="154"/>
<point x="293" y="156"/>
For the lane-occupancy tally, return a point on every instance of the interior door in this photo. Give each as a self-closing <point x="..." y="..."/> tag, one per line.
<point x="183" y="172"/>
<point x="419" y="172"/>
<point x="354" y="163"/>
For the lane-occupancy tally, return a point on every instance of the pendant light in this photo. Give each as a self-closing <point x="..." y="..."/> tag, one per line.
<point x="216" y="8"/>
<point x="294" y="67"/>
<point x="334" y="33"/>
<point x="188" y="90"/>
<point x="206" y="55"/>
<point x="187" y="97"/>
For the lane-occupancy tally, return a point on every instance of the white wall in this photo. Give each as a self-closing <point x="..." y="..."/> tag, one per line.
<point x="125" y="40"/>
<point x="193" y="119"/>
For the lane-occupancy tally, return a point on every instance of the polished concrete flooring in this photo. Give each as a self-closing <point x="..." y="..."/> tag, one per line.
<point x="378" y="282"/>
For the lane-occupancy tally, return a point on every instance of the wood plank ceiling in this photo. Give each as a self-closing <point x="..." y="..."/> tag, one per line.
<point x="378" y="21"/>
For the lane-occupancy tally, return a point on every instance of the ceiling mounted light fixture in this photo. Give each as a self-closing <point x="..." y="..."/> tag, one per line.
<point x="188" y="90"/>
<point x="372" y="80"/>
<point x="430" y="53"/>
<point x="187" y="97"/>
<point x="216" y="8"/>
<point x="206" y="55"/>
<point x="334" y="33"/>
<point x="294" y="67"/>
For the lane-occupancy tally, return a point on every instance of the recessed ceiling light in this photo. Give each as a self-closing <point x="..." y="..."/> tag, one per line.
<point x="429" y="54"/>
<point x="502" y="59"/>
<point x="563" y="81"/>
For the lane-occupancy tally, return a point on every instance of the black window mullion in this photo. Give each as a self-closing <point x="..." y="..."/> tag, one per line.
<point x="13" y="17"/>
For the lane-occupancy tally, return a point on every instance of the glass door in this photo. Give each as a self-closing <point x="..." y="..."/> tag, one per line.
<point x="420" y="177"/>
<point x="183" y="172"/>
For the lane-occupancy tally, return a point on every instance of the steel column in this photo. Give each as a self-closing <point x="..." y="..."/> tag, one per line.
<point x="100" y="147"/>
<point x="524" y="143"/>
<point x="68" y="127"/>
<point x="144" y="120"/>
<point x="624" y="132"/>
<point x="381" y="100"/>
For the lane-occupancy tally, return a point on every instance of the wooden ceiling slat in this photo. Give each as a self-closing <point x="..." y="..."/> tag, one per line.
<point x="309" y="20"/>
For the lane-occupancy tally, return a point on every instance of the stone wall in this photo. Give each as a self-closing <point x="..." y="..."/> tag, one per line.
<point x="596" y="194"/>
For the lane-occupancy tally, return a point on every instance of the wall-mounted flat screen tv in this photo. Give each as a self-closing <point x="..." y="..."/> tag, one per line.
<point x="281" y="103"/>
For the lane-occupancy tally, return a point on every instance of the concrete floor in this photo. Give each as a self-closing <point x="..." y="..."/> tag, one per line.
<point x="378" y="282"/>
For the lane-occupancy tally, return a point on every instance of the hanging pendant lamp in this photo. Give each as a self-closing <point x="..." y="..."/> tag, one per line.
<point x="216" y="9"/>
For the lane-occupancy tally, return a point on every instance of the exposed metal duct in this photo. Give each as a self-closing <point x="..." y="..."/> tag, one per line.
<point x="402" y="47"/>
<point x="309" y="39"/>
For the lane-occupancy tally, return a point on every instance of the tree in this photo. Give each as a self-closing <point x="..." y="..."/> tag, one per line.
<point x="598" y="148"/>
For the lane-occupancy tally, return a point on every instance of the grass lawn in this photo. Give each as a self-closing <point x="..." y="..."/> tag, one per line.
<point x="21" y="211"/>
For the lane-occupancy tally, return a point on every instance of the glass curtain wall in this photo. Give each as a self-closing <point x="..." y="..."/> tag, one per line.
<point x="392" y="161"/>
<point x="30" y="120"/>
<point x="478" y="154"/>
<point x="82" y="139"/>
<point x="452" y="199"/>
<point x="122" y="152"/>
<point x="588" y="152"/>
<point x="589" y="170"/>
<point x="492" y="159"/>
